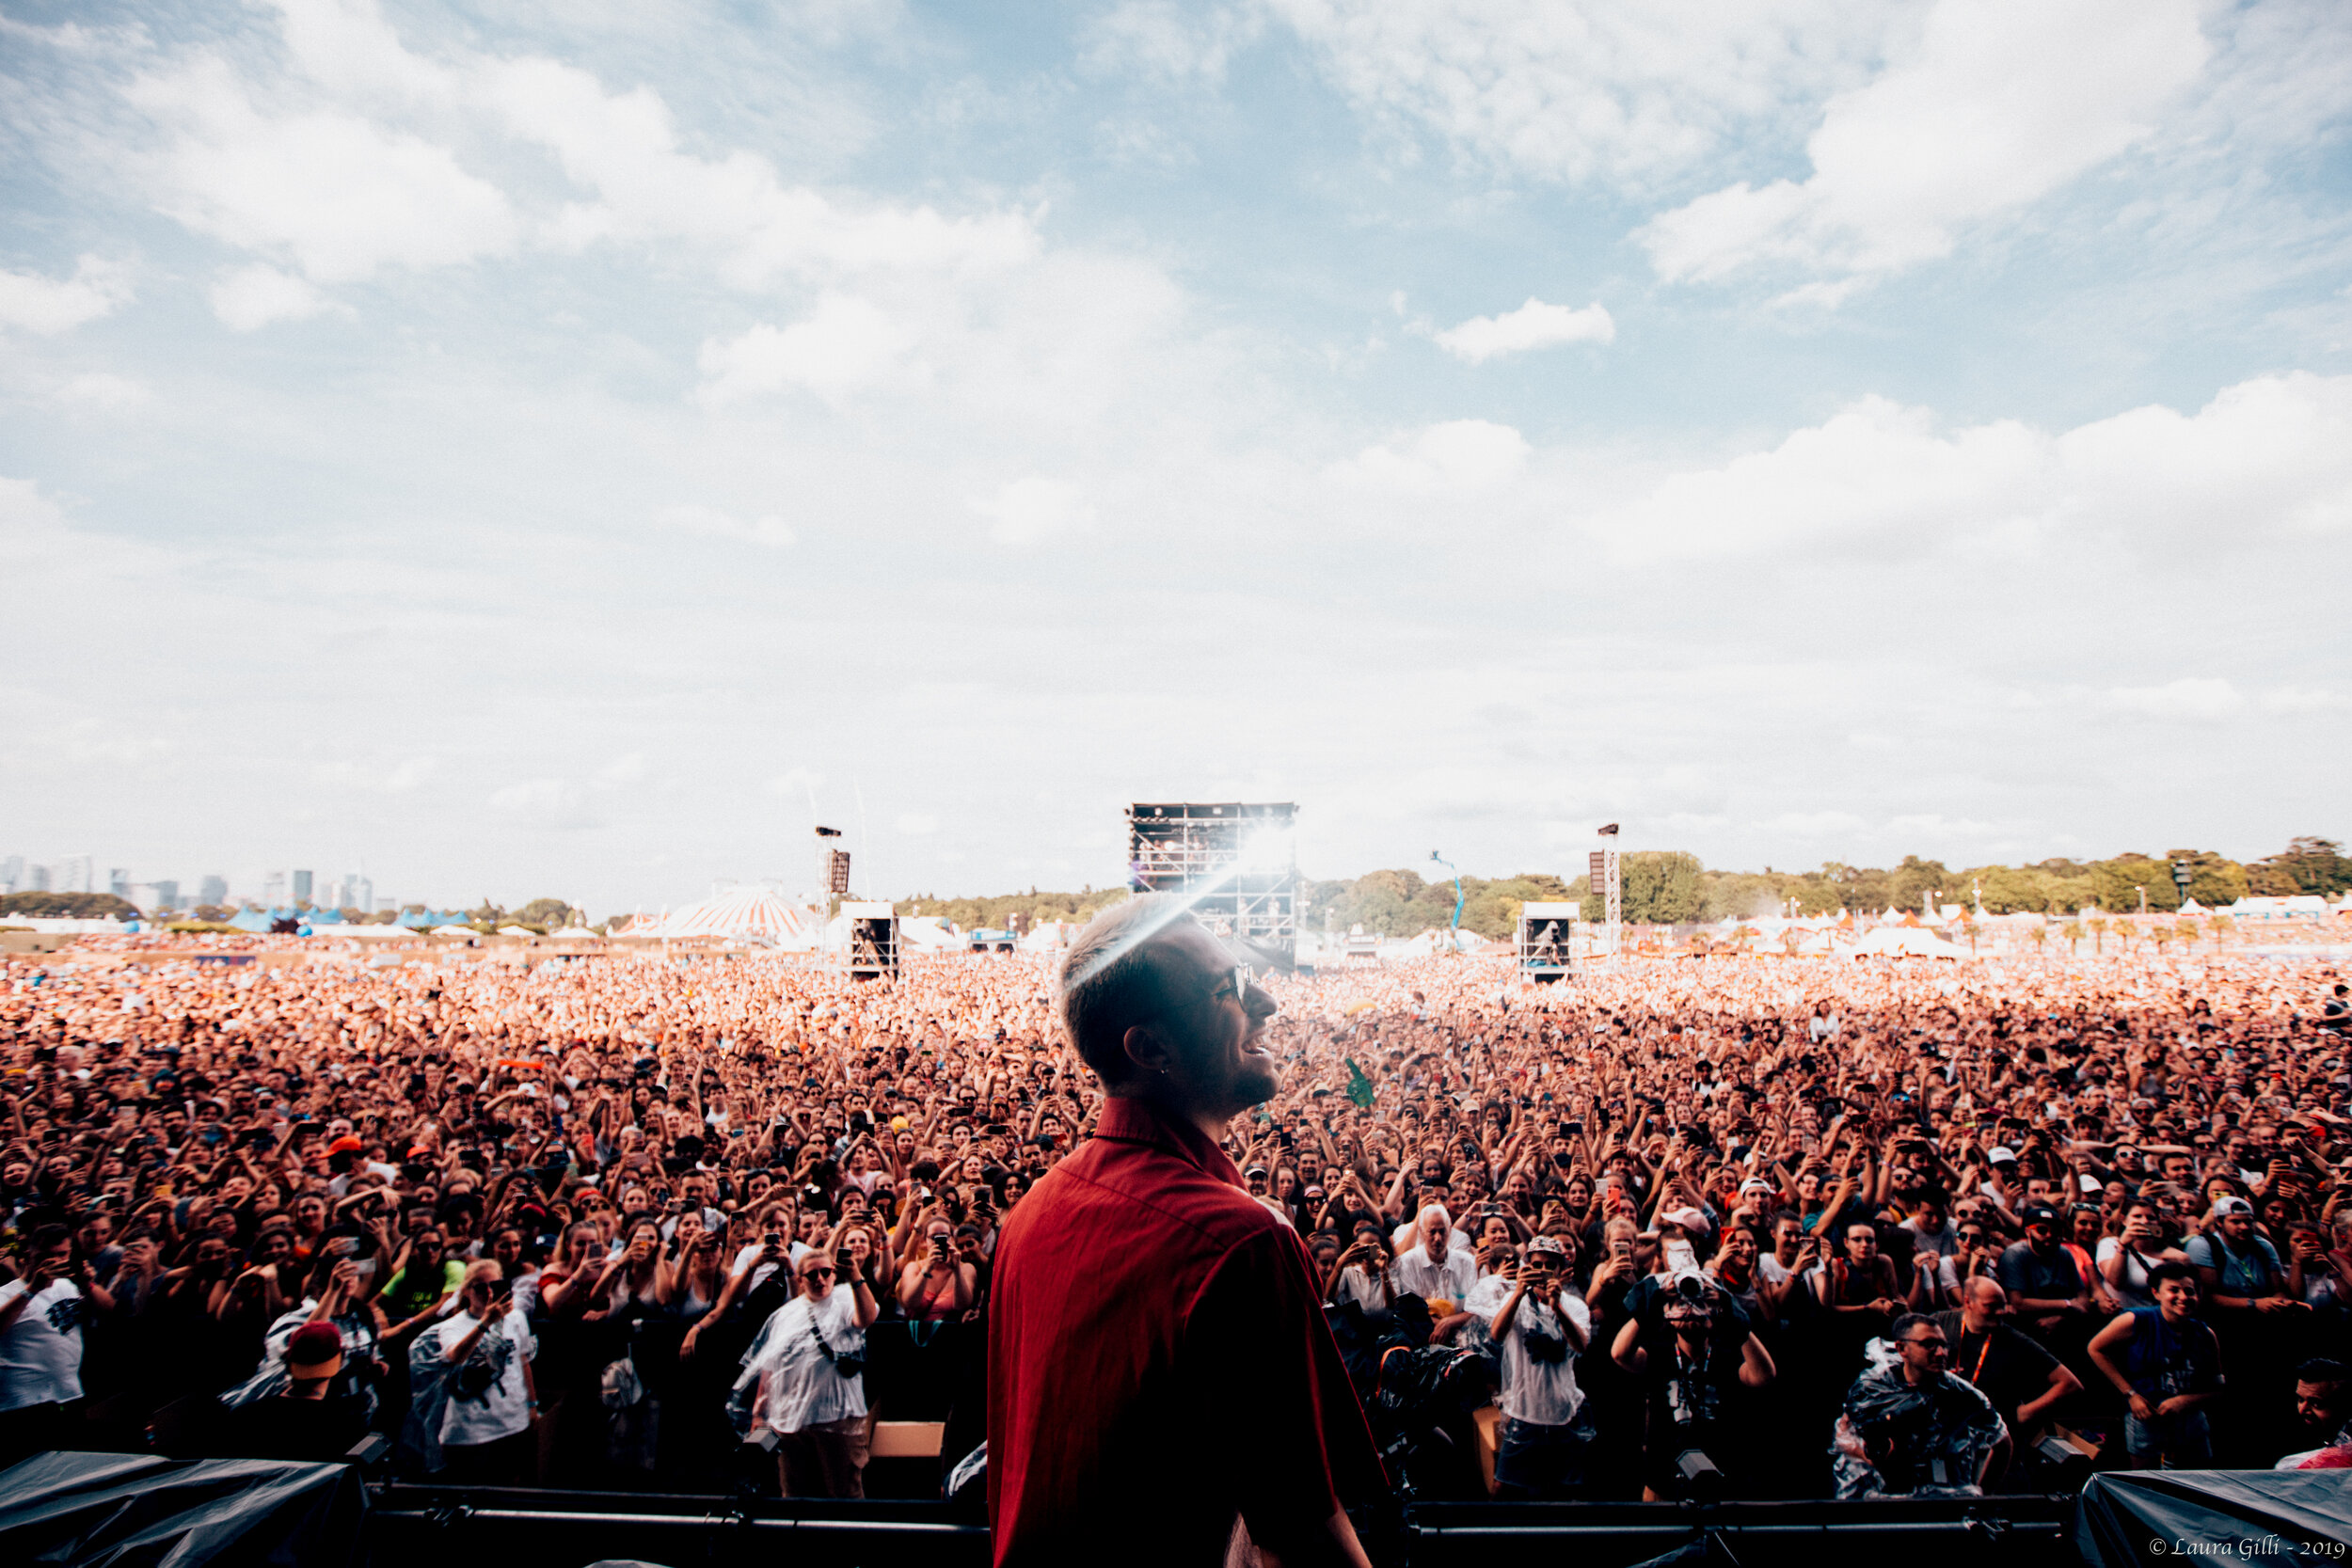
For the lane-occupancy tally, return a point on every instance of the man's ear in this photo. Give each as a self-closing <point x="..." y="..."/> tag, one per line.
<point x="1145" y="1048"/>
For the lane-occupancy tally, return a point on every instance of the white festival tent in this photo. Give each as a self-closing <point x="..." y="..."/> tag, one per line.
<point x="1048" y="936"/>
<point x="1903" y="942"/>
<point x="757" y="915"/>
<point x="930" y="932"/>
<point x="574" y="933"/>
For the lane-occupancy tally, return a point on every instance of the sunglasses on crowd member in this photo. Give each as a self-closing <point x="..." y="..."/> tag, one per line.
<point x="820" y="1271"/>
<point x="1237" y="983"/>
<point x="1932" y="1343"/>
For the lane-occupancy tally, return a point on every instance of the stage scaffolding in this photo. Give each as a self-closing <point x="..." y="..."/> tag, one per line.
<point x="1234" y="859"/>
<point x="873" y="940"/>
<point x="1546" y="941"/>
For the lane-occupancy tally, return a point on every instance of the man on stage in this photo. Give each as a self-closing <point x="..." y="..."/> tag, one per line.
<point x="1158" y="1365"/>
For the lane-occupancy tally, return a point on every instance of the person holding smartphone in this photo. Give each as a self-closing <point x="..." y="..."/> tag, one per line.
<point x="484" y="1353"/>
<point x="1540" y="1330"/>
<point x="808" y="1367"/>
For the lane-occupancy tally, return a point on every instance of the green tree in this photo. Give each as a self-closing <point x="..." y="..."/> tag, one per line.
<point x="2120" y="881"/>
<point x="1662" y="887"/>
<point x="69" y="906"/>
<point x="1739" y="895"/>
<point x="1917" y="878"/>
<point x="2213" y="879"/>
<point x="2306" y="865"/>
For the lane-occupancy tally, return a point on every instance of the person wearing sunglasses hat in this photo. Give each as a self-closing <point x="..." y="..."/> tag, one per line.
<point x="805" y="1373"/>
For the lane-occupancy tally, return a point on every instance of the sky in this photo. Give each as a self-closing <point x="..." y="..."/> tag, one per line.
<point x="572" y="449"/>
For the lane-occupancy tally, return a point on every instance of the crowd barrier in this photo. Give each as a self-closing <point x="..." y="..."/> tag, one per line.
<point x="568" y="1529"/>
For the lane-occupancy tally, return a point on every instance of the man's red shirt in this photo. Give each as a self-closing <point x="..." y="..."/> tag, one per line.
<point x="1157" y="1361"/>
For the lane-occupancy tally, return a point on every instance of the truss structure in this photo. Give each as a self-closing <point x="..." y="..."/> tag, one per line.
<point x="1235" y="861"/>
<point x="872" y="951"/>
<point x="1546" y="941"/>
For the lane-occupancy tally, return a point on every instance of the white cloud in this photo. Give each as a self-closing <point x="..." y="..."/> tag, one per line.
<point x="410" y="774"/>
<point x="625" y="148"/>
<point x="554" y="803"/>
<point x="626" y="768"/>
<point x="2002" y="103"/>
<point x="1579" y="90"/>
<point x="1814" y="824"/>
<point x="343" y="196"/>
<point x="847" y="345"/>
<point x="2272" y="454"/>
<point x="2268" y="457"/>
<point x="918" y="824"/>
<point x="254" y="296"/>
<point x="2195" y="699"/>
<point x="101" y="389"/>
<point x="771" y="531"/>
<point x="1874" y="470"/>
<point x="1533" y="325"/>
<point x="2304" y="699"/>
<point x="1177" y="43"/>
<point x="530" y="794"/>
<point x="798" y="781"/>
<point x="1456" y="455"/>
<point x="1031" y="510"/>
<point x="38" y="304"/>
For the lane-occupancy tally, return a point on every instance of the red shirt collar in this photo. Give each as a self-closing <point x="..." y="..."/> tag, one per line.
<point x="1129" y="1119"/>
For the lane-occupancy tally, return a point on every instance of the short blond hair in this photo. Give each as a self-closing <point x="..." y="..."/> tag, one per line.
<point x="1109" y="983"/>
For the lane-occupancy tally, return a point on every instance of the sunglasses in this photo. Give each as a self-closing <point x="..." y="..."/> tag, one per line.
<point x="817" y="1274"/>
<point x="1239" y="983"/>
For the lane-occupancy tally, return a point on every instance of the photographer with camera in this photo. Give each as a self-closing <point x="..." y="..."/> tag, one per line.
<point x="1540" y="1330"/>
<point x="809" y="1367"/>
<point x="1691" y="1346"/>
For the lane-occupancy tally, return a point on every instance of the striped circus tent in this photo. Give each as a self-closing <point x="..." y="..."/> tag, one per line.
<point x="755" y="914"/>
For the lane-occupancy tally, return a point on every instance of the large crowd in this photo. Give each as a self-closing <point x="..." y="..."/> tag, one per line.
<point x="1780" y="1226"/>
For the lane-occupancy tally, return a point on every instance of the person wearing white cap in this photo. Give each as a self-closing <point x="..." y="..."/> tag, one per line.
<point x="1540" y="1330"/>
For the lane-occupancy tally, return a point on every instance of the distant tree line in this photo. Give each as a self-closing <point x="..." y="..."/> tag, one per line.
<point x="68" y="905"/>
<point x="1670" y="888"/>
<point x="996" y="913"/>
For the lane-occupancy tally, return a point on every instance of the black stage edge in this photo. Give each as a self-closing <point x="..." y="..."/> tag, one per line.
<point x="568" y="1529"/>
<point x="1917" y="1532"/>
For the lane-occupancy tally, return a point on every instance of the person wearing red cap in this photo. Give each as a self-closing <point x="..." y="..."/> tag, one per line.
<point x="306" y="1420"/>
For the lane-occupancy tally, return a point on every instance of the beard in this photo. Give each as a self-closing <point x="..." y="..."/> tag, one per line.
<point x="1255" y="1082"/>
